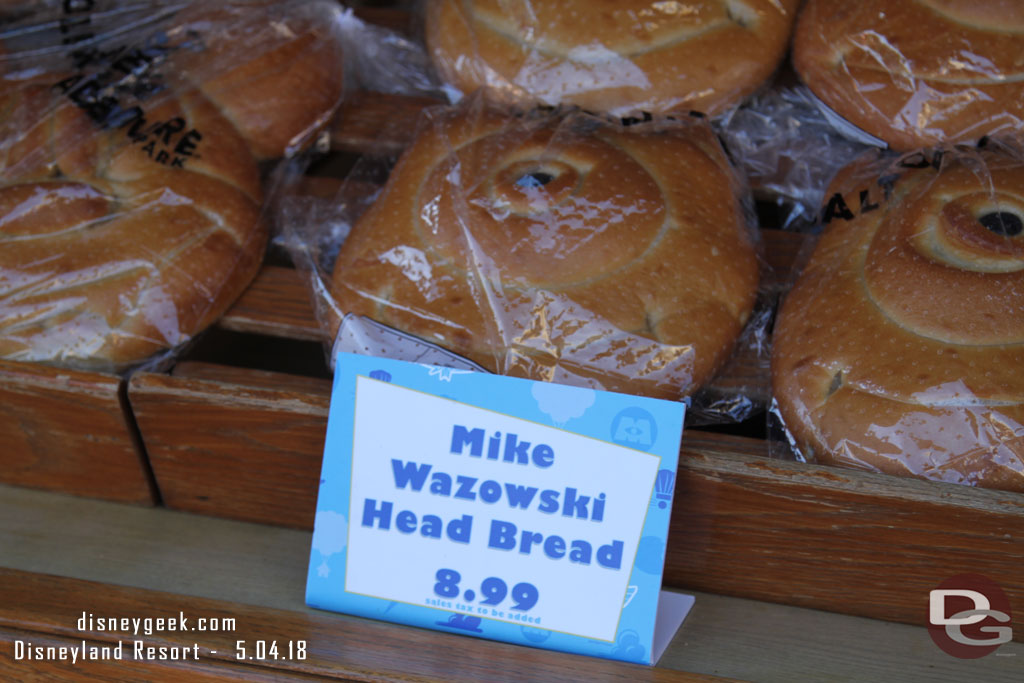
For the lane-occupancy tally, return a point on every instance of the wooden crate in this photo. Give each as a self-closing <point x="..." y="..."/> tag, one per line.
<point x="70" y="431"/>
<point x="245" y="443"/>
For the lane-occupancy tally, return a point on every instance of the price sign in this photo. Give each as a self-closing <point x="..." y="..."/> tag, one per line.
<point x="521" y="511"/>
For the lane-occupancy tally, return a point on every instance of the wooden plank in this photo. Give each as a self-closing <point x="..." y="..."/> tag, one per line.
<point x="233" y="449"/>
<point x="266" y="567"/>
<point x="377" y="124"/>
<point x="274" y="381"/>
<point x="277" y="303"/>
<point x="841" y="540"/>
<point x="337" y="646"/>
<point x="69" y="430"/>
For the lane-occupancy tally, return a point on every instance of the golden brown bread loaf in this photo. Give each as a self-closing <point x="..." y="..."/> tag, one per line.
<point x="901" y="347"/>
<point x="130" y="203"/>
<point x="916" y="73"/>
<point x="566" y="251"/>
<point x="616" y="56"/>
<point x="108" y="255"/>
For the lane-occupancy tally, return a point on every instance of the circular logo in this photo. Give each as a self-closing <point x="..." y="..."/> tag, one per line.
<point x="969" y="616"/>
<point x="635" y="428"/>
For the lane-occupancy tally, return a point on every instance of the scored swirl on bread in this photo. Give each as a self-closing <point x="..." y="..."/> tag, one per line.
<point x="617" y="56"/>
<point x="130" y="201"/>
<point x="916" y="73"/>
<point x="108" y="256"/>
<point x="559" y="249"/>
<point x="901" y="347"/>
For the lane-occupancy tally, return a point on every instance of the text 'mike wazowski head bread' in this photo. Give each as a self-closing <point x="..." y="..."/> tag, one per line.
<point x="130" y="217"/>
<point x="916" y="73"/>
<point x="901" y="347"/>
<point x="617" y="56"/>
<point x="565" y="250"/>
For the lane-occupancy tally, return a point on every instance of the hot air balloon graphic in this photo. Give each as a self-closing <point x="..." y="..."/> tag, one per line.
<point x="382" y="375"/>
<point x="664" y="485"/>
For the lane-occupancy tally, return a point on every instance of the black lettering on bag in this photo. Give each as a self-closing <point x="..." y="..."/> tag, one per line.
<point x="187" y="144"/>
<point x="169" y="128"/>
<point x="865" y="205"/>
<point x="836" y="208"/>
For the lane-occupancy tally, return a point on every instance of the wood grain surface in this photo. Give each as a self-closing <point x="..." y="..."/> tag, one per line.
<point x="377" y="123"/>
<point x="277" y="303"/>
<point x="41" y="608"/>
<point x="191" y="555"/>
<point x="846" y="541"/>
<point x="69" y="430"/>
<point x="241" y="449"/>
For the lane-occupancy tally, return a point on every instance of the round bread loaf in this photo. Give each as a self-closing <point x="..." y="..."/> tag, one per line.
<point x="617" y="56"/>
<point x="901" y="347"/>
<point x="109" y="255"/>
<point x="130" y="199"/>
<point x="919" y="72"/>
<point x="567" y="251"/>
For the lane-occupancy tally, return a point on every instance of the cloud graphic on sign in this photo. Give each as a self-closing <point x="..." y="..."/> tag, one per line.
<point x="562" y="403"/>
<point x="329" y="537"/>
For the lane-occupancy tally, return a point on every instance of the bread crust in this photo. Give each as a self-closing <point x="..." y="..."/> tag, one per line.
<point x="109" y="256"/>
<point x="617" y="56"/>
<point x="275" y="75"/>
<point x="916" y="73"/>
<point x="125" y="230"/>
<point x="561" y="250"/>
<point x="901" y="347"/>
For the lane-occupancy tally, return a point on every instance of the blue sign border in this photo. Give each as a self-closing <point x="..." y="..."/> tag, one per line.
<point x="645" y="424"/>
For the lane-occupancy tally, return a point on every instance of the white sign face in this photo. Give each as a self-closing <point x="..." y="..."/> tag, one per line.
<point x="480" y="513"/>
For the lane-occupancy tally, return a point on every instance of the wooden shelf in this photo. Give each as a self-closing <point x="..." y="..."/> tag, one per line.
<point x="61" y="555"/>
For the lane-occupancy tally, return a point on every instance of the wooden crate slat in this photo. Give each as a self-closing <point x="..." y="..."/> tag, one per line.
<point x="853" y="542"/>
<point x="277" y="303"/>
<point x="232" y="448"/>
<point x="338" y="646"/>
<point x="378" y="124"/>
<point x="68" y="430"/>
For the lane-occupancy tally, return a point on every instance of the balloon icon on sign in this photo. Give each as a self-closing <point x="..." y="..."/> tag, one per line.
<point x="664" y="485"/>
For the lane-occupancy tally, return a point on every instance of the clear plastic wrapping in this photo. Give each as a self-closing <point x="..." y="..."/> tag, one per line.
<point x="621" y="57"/>
<point x="916" y="74"/>
<point x="131" y="202"/>
<point x="788" y="150"/>
<point x="559" y="247"/>
<point x="900" y="348"/>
